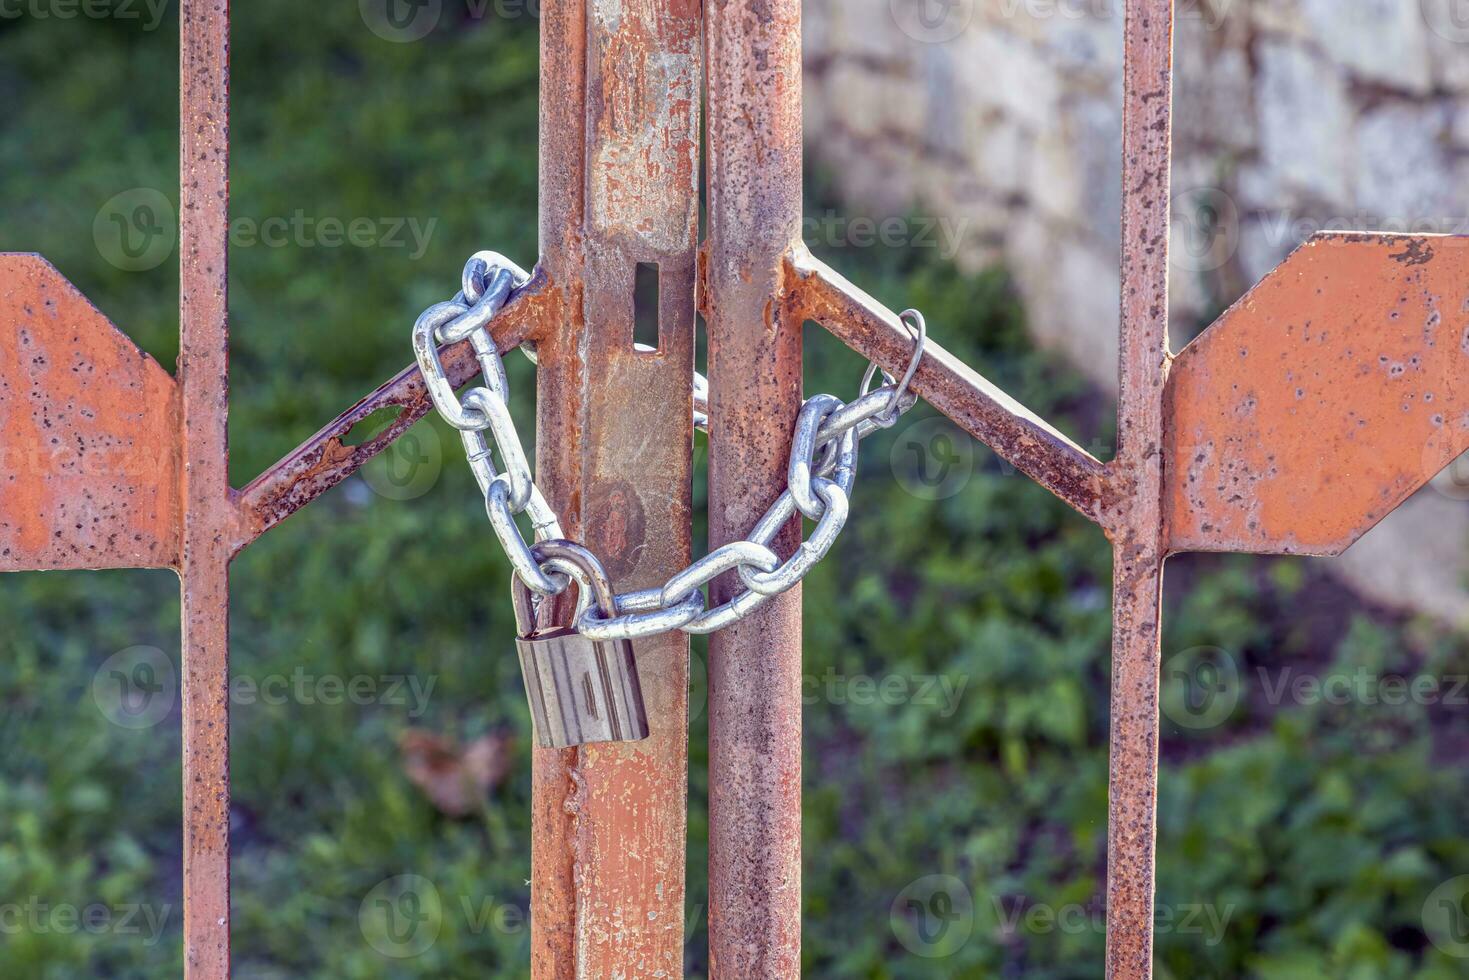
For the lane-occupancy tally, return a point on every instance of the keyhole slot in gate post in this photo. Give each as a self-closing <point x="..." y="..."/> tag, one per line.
<point x="647" y="295"/>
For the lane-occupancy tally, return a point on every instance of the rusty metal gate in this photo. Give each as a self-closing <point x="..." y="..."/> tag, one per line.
<point x="1306" y="413"/>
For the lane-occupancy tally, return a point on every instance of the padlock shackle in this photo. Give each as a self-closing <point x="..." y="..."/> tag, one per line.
<point x="579" y="563"/>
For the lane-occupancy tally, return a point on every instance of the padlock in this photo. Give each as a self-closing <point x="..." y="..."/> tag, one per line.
<point x="581" y="691"/>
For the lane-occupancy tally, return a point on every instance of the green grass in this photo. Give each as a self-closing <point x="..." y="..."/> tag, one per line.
<point x="1313" y="833"/>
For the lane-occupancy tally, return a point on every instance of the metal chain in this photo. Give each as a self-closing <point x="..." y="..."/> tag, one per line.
<point x="820" y="474"/>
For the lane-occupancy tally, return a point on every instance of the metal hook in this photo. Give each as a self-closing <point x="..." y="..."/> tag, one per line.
<point x="919" y="330"/>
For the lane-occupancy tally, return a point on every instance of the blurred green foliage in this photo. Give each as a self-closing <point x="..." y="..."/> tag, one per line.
<point x="1298" y="838"/>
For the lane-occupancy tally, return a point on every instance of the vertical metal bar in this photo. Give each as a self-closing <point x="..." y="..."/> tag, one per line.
<point x="205" y="496"/>
<point x="555" y="800"/>
<point x="619" y="187"/>
<point x="1138" y="539"/>
<point x="755" y="379"/>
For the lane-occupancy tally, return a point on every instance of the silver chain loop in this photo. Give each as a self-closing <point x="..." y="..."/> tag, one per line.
<point x="820" y="476"/>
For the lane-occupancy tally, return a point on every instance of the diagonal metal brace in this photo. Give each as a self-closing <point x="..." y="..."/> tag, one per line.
<point x="325" y="460"/>
<point x="954" y="388"/>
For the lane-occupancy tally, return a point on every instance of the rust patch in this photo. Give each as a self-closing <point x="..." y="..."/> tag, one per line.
<point x="624" y="525"/>
<point x="88" y="433"/>
<point x="1327" y="396"/>
<point x="644" y="148"/>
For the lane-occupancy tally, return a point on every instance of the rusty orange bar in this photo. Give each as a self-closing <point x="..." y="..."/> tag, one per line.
<point x="1137" y="536"/>
<point x="555" y="801"/>
<point x="755" y="161"/>
<point x="204" y="489"/>
<point x="619" y="187"/>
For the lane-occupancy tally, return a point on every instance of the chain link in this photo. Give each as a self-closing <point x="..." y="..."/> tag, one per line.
<point x="821" y="473"/>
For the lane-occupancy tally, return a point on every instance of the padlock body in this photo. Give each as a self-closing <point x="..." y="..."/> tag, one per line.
<point x="581" y="691"/>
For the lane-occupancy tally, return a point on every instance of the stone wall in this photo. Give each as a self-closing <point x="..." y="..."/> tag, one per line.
<point x="1001" y="119"/>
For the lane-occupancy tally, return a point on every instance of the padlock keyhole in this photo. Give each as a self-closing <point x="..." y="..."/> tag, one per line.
<point x="590" y="694"/>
